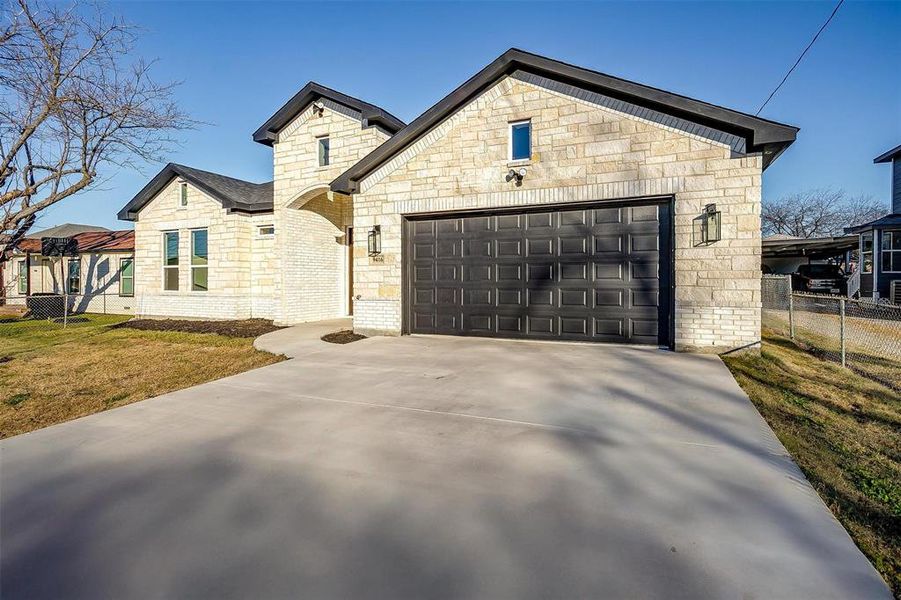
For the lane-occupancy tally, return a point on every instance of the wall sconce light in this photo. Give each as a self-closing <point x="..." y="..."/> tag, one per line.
<point x="712" y="224"/>
<point x="516" y="175"/>
<point x="374" y="240"/>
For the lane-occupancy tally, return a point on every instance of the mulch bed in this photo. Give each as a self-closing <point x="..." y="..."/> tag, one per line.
<point x="246" y="328"/>
<point x="342" y="337"/>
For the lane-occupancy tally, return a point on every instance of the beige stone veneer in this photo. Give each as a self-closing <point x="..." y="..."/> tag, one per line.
<point x="582" y="151"/>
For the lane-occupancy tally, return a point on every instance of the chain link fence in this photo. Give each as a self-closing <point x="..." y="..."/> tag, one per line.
<point x="860" y="335"/>
<point x="64" y="308"/>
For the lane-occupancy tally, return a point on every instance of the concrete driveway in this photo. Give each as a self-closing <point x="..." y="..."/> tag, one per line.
<point x="427" y="468"/>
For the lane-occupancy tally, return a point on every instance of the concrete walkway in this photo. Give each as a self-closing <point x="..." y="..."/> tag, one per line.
<point x="301" y="339"/>
<point x="423" y="467"/>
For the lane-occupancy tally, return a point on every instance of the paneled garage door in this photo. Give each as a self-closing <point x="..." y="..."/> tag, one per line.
<point x="595" y="273"/>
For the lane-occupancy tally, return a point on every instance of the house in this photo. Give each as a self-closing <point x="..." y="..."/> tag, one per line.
<point x="537" y="200"/>
<point x="880" y="243"/>
<point x="783" y="254"/>
<point x="98" y="278"/>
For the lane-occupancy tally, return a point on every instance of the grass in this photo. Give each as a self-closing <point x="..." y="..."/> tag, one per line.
<point x="873" y="346"/>
<point x="844" y="431"/>
<point x="51" y="374"/>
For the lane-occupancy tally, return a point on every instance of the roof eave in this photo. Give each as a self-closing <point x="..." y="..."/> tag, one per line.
<point x="267" y="133"/>
<point x="888" y="156"/>
<point x="759" y="133"/>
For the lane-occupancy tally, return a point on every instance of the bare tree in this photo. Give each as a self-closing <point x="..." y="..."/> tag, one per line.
<point x="72" y="101"/>
<point x="818" y="213"/>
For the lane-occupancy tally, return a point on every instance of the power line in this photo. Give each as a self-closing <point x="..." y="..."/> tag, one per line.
<point x="797" y="62"/>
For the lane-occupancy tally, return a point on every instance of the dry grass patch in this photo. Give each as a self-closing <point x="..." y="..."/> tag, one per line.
<point x="52" y="374"/>
<point x="844" y="431"/>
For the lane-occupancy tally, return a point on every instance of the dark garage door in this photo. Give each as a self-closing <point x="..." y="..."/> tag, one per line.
<point x="597" y="273"/>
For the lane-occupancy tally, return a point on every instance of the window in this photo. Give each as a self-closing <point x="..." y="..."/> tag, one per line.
<point x="891" y="251"/>
<point x="170" y="261"/>
<point x="866" y="254"/>
<point x="199" y="269"/>
<point x="266" y="230"/>
<point x="521" y="140"/>
<point x="323" y="146"/>
<point x="183" y="195"/>
<point x="23" y="277"/>
<point x="73" y="279"/>
<point x="126" y="277"/>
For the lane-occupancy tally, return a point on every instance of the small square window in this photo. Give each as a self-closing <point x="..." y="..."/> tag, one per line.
<point x="266" y="230"/>
<point x="521" y="140"/>
<point x="183" y="195"/>
<point x="323" y="145"/>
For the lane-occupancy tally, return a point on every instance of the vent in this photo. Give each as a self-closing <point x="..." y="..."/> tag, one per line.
<point x="894" y="292"/>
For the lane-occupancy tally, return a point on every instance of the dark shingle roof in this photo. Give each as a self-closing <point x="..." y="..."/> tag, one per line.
<point x="888" y="156"/>
<point x="64" y="230"/>
<point x="760" y="135"/>
<point x="370" y="114"/>
<point x="891" y="220"/>
<point x="233" y="194"/>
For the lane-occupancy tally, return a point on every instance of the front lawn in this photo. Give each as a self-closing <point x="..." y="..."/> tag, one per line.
<point x="50" y="374"/>
<point x="844" y="431"/>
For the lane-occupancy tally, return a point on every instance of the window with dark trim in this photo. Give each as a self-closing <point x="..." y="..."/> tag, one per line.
<point x="891" y="251"/>
<point x="23" y="277"/>
<point x="170" y="261"/>
<point x="199" y="262"/>
<point x="183" y="195"/>
<point x="126" y="277"/>
<point x="521" y="140"/>
<point x="73" y="277"/>
<point x="323" y="147"/>
<point x="866" y="252"/>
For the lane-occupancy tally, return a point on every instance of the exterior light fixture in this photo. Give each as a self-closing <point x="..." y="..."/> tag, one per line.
<point x="712" y="224"/>
<point x="516" y="175"/>
<point x="374" y="240"/>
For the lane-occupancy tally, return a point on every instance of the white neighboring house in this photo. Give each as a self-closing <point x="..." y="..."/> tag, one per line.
<point x="99" y="279"/>
<point x="537" y="200"/>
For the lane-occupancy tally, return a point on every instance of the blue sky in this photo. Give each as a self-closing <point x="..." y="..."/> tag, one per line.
<point x="239" y="62"/>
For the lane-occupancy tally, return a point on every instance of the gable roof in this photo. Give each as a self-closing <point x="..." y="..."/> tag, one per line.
<point x="889" y="220"/>
<point x="233" y="194"/>
<point x="371" y="115"/>
<point x="888" y="156"/>
<point x="760" y="135"/>
<point x="89" y="241"/>
<point x="64" y="230"/>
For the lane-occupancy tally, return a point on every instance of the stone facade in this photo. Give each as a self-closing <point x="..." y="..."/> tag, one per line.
<point x="240" y="269"/>
<point x="585" y="147"/>
<point x="311" y="223"/>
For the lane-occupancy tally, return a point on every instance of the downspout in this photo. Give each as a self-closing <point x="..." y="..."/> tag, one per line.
<point x="877" y="258"/>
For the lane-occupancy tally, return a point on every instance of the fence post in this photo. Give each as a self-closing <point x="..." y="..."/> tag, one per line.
<point x="841" y="305"/>
<point x="791" y="314"/>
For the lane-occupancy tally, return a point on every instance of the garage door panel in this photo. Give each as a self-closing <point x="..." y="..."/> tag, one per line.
<point x="608" y="271"/>
<point x="445" y="272"/>
<point x="509" y="248"/>
<point x="543" y="246"/>
<point x="603" y="216"/>
<point x="608" y="244"/>
<point x="540" y="297"/>
<point x="643" y="213"/>
<point x="589" y="274"/>
<point x="509" y="298"/>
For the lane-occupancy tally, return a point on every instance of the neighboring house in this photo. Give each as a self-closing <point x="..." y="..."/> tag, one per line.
<point x="880" y="243"/>
<point x="537" y="200"/>
<point x="783" y="254"/>
<point x="99" y="279"/>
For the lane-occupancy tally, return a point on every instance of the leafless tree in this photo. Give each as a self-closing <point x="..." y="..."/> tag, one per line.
<point x="818" y="213"/>
<point x="73" y="100"/>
